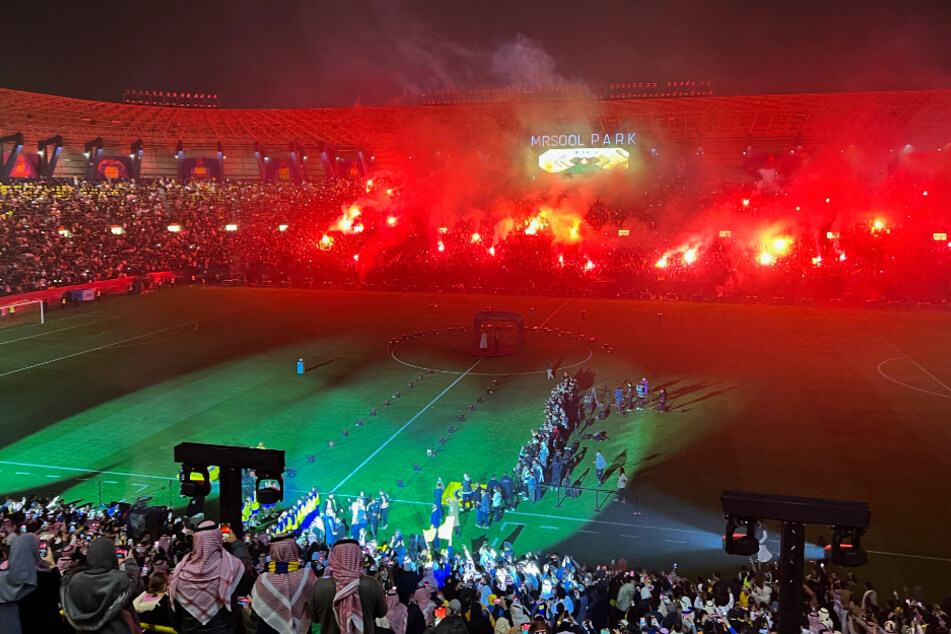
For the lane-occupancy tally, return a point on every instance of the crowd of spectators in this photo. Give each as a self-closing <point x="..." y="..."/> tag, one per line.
<point x="107" y="575"/>
<point x="380" y="234"/>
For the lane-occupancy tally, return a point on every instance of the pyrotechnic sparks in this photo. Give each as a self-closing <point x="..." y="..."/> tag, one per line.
<point x="441" y="247"/>
<point x="765" y="258"/>
<point x="588" y="265"/>
<point x="690" y="256"/>
<point x="661" y="263"/>
<point x="535" y="225"/>
<point x="475" y="238"/>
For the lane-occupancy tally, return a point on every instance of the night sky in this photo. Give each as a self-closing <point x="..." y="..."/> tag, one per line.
<point x="298" y="53"/>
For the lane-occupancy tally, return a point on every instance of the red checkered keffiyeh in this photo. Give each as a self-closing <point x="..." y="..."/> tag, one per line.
<point x="207" y="577"/>
<point x="346" y="562"/>
<point x="280" y="598"/>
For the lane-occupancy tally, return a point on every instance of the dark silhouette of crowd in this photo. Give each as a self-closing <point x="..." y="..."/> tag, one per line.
<point x="108" y="574"/>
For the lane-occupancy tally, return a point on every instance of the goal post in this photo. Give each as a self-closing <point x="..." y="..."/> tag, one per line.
<point x="21" y="313"/>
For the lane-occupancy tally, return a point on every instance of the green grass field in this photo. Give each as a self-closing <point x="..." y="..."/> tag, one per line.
<point x="826" y="402"/>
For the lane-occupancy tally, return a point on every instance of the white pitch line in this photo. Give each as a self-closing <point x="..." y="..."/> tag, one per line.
<point x="879" y="552"/>
<point x="676" y="541"/>
<point x="586" y="531"/>
<point x="920" y="367"/>
<point x="658" y="528"/>
<point x="607" y="523"/>
<point x="408" y="423"/>
<point x="49" y="332"/>
<point x="47" y="466"/>
<point x="109" y="345"/>
<point x="903" y="384"/>
<point x="554" y="313"/>
<point x="551" y="528"/>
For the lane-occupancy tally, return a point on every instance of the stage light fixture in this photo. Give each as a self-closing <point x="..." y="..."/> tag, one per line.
<point x="740" y="543"/>
<point x="846" y="547"/>
<point x="269" y="487"/>
<point x="192" y="487"/>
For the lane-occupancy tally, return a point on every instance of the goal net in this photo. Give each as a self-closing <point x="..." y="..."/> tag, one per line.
<point x="21" y="313"/>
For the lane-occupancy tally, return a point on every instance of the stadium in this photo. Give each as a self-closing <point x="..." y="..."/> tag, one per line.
<point x="419" y="298"/>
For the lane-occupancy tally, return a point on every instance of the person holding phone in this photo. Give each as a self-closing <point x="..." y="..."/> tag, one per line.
<point x="96" y="597"/>
<point x="29" y="589"/>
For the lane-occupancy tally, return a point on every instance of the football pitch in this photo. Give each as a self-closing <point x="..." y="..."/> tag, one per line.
<point x="832" y="402"/>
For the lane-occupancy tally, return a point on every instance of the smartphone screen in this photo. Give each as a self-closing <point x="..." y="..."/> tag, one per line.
<point x="440" y="613"/>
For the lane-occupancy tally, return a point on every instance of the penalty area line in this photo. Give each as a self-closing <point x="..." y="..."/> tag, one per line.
<point x="50" y="332"/>
<point x="113" y="344"/>
<point x="408" y="423"/>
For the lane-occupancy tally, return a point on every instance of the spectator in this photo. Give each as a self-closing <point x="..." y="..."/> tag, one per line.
<point x="97" y="597"/>
<point x="24" y="604"/>
<point x="348" y="601"/>
<point x="280" y="595"/>
<point x="153" y="604"/>
<point x="204" y="586"/>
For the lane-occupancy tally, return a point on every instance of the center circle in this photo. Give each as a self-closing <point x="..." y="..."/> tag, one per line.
<point x="446" y="353"/>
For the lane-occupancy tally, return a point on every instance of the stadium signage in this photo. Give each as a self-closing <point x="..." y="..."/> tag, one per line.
<point x="584" y="140"/>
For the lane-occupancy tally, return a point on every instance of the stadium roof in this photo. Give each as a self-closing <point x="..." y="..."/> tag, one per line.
<point x="891" y="117"/>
